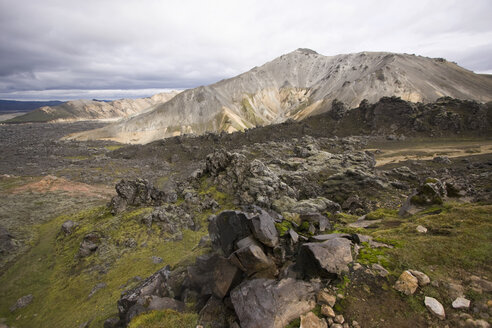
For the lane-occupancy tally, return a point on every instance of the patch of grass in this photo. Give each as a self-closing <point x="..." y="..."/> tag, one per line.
<point x="283" y="227"/>
<point x="382" y="213"/>
<point x="113" y="147"/>
<point x="368" y="256"/>
<point x="165" y="319"/>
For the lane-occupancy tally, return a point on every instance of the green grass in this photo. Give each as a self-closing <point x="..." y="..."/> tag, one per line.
<point x="165" y="319"/>
<point x="61" y="283"/>
<point x="113" y="147"/>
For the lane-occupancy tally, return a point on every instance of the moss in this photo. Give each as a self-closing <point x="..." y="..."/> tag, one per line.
<point x="294" y="323"/>
<point x="368" y="256"/>
<point x="345" y="217"/>
<point x="165" y="319"/>
<point x="206" y="188"/>
<point x="113" y="147"/>
<point x="283" y="227"/>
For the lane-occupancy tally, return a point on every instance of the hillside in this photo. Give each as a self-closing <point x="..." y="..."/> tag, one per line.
<point x="295" y="86"/>
<point x="82" y="110"/>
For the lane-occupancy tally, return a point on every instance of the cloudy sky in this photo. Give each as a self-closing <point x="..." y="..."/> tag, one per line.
<point x="66" y="49"/>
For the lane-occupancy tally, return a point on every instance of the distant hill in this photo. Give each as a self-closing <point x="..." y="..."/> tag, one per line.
<point x="24" y="106"/>
<point x="81" y="110"/>
<point x="295" y="86"/>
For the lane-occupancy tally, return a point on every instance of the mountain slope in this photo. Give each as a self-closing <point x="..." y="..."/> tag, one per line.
<point x="81" y="110"/>
<point x="298" y="85"/>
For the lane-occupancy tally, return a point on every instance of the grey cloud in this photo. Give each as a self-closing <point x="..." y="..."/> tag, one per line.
<point x="111" y="44"/>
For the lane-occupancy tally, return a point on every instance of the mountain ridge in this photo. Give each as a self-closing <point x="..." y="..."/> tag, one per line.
<point x="297" y="85"/>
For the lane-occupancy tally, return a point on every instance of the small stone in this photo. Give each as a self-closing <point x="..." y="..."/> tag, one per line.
<point x="357" y="266"/>
<point x="355" y="324"/>
<point x="339" y="319"/>
<point x="336" y="325"/>
<point x="461" y="303"/>
<point x="325" y="298"/>
<point x="421" y="229"/>
<point x="489" y="303"/>
<point x="406" y="283"/>
<point x="327" y="311"/>
<point x="435" y="307"/>
<point x="22" y="302"/>
<point x="380" y="270"/>
<point x="470" y="323"/>
<point x="421" y="277"/>
<point x="346" y="325"/>
<point x="156" y="259"/>
<point x="310" y="320"/>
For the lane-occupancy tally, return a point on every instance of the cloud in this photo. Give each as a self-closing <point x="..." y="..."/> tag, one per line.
<point x="150" y="44"/>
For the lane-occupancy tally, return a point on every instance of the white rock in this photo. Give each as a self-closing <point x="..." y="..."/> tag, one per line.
<point x="421" y="229"/>
<point x="435" y="307"/>
<point x="461" y="303"/>
<point x="421" y="277"/>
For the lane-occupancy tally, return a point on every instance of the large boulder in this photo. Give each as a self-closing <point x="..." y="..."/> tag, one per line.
<point x="263" y="227"/>
<point x="137" y="300"/>
<point x="327" y="259"/>
<point x="227" y="228"/>
<point x="226" y="276"/>
<point x="266" y="303"/>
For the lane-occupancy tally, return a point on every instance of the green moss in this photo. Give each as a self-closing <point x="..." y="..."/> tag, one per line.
<point x="224" y="200"/>
<point x="345" y="217"/>
<point x="368" y="256"/>
<point x="113" y="147"/>
<point x="283" y="227"/>
<point x="294" y="323"/>
<point x="165" y="319"/>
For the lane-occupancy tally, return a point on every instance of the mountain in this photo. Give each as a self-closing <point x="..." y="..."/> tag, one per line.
<point x="295" y="86"/>
<point x="24" y="106"/>
<point x="81" y="110"/>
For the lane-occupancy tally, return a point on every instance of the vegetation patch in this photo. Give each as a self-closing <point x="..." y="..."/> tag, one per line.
<point x="165" y="319"/>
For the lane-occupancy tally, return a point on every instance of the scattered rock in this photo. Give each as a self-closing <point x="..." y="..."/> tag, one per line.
<point x="380" y="270"/>
<point x="481" y="283"/>
<point x="339" y="319"/>
<point x="327" y="311"/>
<point x="90" y="243"/>
<point x="324" y="298"/>
<point x="156" y="259"/>
<point x="68" y="227"/>
<point x="441" y="160"/>
<point x="421" y="277"/>
<point x="435" y="307"/>
<point x="22" y="302"/>
<point x="421" y="229"/>
<point x="310" y="320"/>
<point x="470" y="323"/>
<point x="406" y="283"/>
<point x="461" y="303"/>
<point x="326" y="259"/>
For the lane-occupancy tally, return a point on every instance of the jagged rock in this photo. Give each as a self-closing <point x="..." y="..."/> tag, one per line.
<point x="266" y="303"/>
<point x="132" y="302"/>
<point x="310" y="320"/>
<point x="326" y="259"/>
<point x="406" y="283"/>
<point x="294" y="236"/>
<point x="306" y="206"/>
<point x="263" y="227"/>
<point x="325" y="298"/>
<point x="435" y="307"/>
<point x="252" y="260"/>
<point x="68" y="227"/>
<point x="226" y="276"/>
<point x="216" y="314"/>
<point x="227" y="228"/>
<point x="461" y="303"/>
<point x="90" y="243"/>
<point x="421" y="277"/>
<point x="136" y="193"/>
<point x="22" y="302"/>
<point x="327" y="311"/>
<point x="171" y="219"/>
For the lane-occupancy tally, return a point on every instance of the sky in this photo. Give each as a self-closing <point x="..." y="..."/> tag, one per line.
<point x="109" y="49"/>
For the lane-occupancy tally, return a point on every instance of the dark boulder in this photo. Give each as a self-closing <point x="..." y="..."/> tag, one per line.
<point x="68" y="227"/>
<point x="266" y="303"/>
<point x="227" y="228"/>
<point x="216" y="314"/>
<point x="328" y="259"/>
<point x="226" y="276"/>
<point x="90" y="243"/>
<point x="263" y="227"/>
<point x="252" y="260"/>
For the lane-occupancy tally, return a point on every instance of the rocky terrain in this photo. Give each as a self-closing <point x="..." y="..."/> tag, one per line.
<point x="84" y="110"/>
<point x="296" y="86"/>
<point x="377" y="216"/>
